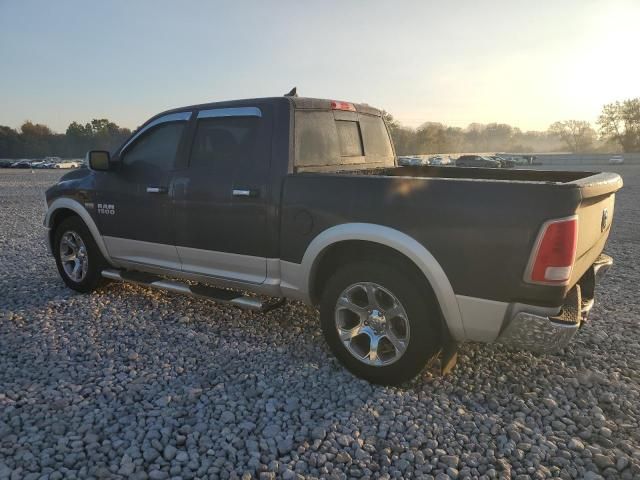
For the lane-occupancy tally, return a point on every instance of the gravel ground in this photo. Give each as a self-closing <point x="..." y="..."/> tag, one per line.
<point x="134" y="383"/>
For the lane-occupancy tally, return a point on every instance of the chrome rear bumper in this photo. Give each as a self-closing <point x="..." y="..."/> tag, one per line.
<point x="549" y="334"/>
<point x="539" y="334"/>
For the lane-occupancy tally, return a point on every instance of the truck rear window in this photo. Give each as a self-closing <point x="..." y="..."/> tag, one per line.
<point x="322" y="140"/>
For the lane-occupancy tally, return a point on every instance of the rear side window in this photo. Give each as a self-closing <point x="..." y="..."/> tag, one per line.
<point x="349" y="138"/>
<point x="223" y="140"/>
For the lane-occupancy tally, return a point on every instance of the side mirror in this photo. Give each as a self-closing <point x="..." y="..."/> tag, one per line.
<point x="98" y="160"/>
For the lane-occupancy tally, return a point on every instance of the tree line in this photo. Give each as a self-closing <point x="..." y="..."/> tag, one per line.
<point x="34" y="140"/>
<point x="618" y="130"/>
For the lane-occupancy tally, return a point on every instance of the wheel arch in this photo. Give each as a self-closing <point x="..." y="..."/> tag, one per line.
<point x="366" y="236"/>
<point x="63" y="208"/>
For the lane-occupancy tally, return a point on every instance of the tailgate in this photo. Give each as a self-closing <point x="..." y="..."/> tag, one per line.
<point x="595" y="215"/>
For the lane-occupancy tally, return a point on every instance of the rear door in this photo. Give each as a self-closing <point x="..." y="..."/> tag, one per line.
<point x="221" y="196"/>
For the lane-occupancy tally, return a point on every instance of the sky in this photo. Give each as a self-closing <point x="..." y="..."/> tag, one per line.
<point x="526" y="63"/>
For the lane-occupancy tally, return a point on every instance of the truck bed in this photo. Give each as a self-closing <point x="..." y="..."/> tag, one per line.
<point x="479" y="224"/>
<point x="470" y="173"/>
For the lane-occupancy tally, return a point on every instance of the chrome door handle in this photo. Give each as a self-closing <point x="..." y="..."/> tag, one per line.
<point x="241" y="192"/>
<point x="156" y="189"/>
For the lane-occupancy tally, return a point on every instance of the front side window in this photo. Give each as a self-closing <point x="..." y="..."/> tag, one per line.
<point x="223" y="140"/>
<point x="155" y="149"/>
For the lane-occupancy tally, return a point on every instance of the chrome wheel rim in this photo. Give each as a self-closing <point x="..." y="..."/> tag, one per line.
<point x="73" y="256"/>
<point x="372" y="324"/>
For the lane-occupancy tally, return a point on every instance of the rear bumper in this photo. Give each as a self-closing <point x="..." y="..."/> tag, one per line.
<point x="547" y="334"/>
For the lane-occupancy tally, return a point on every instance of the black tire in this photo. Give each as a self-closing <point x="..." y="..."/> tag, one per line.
<point x="92" y="279"/>
<point x="424" y="341"/>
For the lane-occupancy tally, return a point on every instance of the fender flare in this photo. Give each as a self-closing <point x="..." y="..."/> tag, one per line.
<point x="81" y="211"/>
<point x="403" y="244"/>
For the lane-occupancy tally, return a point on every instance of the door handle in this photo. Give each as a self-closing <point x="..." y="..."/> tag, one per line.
<point x="157" y="190"/>
<point x="244" y="192"/>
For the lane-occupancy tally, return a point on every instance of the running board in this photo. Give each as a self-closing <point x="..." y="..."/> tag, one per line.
<point x="199" y="290"/>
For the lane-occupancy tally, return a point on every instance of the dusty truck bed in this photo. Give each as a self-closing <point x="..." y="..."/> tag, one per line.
<point x="470" y="173"/>
<point x="596" y="191"/>
<point x="479" y="224"/>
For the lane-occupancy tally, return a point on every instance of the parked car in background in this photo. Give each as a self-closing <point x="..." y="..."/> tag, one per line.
<point x="411" y="161"/>
<point x="21" y="164"/>
<point x="67" y="164"/>
<point x="504" y="163"/>
<point x="439" y="160"/>
<point x="477" y="161"/>
<point x="517" y="160"/>
<point x="47" y="162"/>
<point x="616" y="160"/>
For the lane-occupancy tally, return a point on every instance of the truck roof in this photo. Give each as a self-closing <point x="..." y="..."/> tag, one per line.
<point x="302" y="103"/>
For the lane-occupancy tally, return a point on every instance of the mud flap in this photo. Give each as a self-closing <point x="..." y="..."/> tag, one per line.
<point x="448" y="357"/>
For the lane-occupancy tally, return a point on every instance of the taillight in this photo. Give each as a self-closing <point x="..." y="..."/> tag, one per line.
<point x="337" y="105"/>
<point x="554" y="252"/>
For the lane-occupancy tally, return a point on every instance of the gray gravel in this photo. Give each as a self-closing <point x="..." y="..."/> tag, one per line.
<point x="134" y="383"/>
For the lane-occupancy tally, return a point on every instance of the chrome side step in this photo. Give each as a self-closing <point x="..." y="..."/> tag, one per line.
<point x="203" y="291"/>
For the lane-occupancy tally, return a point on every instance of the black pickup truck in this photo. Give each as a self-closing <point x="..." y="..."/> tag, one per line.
<point x="302" y="198"/>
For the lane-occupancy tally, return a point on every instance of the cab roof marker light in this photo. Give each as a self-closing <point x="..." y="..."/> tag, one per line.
<point x="338" y="105"/>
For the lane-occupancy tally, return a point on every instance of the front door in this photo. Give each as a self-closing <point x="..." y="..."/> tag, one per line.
<point x="220" y="197"/>
<point x="133" y="202"/>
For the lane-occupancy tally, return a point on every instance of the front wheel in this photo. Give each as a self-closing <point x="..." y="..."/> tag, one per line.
<point x="78" y="258"/>
<point x="380" y="321"/>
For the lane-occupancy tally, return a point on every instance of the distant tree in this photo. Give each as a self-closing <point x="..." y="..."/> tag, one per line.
<point x="455" y="140"/>
<point x="431" y="138"/>
<point x="35" y="130"/>
<point x="10" y="143"/>
<point x="404" y="140"/>
<point x="392" y="123"/>
<point x="403" y="137"/>
<point x="620" y="122"/>
<point x="577" y="135"/>
<point x="77" y="130"/>
<point x="36" y="138"/>
<point x="498" y="136"/>
<point x="98" y="134"/>
<point x="474" y="138"/>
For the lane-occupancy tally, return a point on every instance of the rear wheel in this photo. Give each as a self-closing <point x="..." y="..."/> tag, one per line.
<point x="381" y="322"/>
<point x="78" y="258"/>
